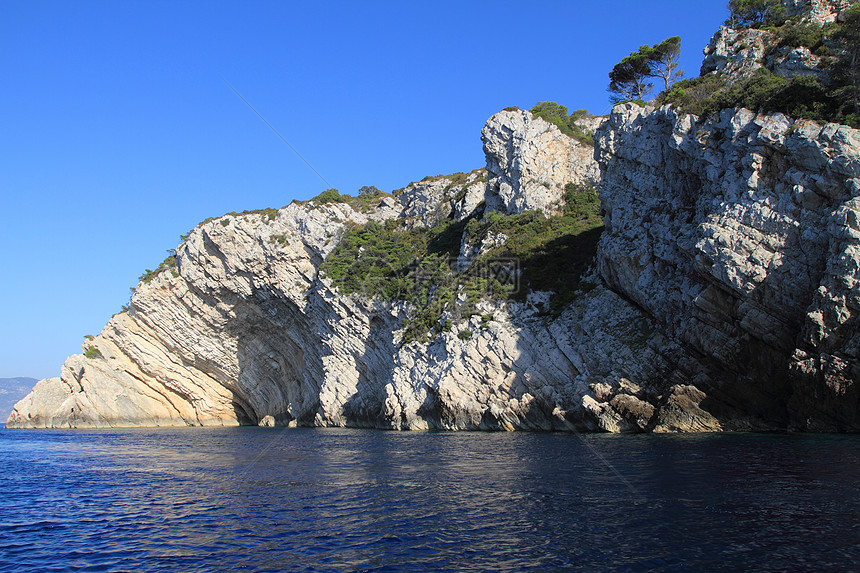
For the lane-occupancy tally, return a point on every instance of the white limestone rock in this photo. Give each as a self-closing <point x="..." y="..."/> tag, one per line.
<point x="529" y="162"/>
<point x="738" y="237"/>
<point x="736" y="53"/>
<point x="429" y="201"/>
<point x="725" y="296"/>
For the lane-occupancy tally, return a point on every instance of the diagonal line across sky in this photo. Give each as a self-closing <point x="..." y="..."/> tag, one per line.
<point x="296" y="151"/>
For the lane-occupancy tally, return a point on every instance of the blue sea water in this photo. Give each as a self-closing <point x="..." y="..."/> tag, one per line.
<point x="255" y="499"/>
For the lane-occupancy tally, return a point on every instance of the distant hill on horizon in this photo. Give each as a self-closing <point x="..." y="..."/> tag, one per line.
<point x="12" y="390"/>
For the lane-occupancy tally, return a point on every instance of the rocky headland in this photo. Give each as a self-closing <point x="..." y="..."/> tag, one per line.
<point x="723" y="293"/>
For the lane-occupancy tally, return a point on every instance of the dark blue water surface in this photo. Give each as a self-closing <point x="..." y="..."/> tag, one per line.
<point x="255" y="499"/>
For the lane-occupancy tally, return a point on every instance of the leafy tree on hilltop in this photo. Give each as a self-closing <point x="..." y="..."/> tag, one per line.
<point x="664" y="60"/>
<point x="628" y="80"/>
<point x="755" y="12"/>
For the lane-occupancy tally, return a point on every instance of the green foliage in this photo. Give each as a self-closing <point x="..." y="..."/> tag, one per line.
<point x="846" y="82"/>
<point x="89" y="337"/>
<point x="796" y="34"/>
<point x="167" y="264"/>
<point x="557" y="114"/>
<point x="512" y="108"/>
<point x="415" y="265"/>
<point x="628" y="80"/>
<point x="756" y="13"/>
<point x="279" y="238"/>
<point x="797" y="96"/>
<point x="553" y="251"/>
<point x="224" y="222"/>
<point x="92" y="352"/>
<point x="695" y="95"/>
<point x="268" y="215"/>
<point x="374" y="259"/>
<point x="329" y="196"/>
<point x="754" y="93"/>
<point x="368" y="197"/>
<point x="456" y="179"/>
<point x="465" y="334"/>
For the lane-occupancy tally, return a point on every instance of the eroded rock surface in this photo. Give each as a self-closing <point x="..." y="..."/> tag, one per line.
<point x="529" y="161"/>
<point x="724" y="297"/>
<point x="739" y="236"/>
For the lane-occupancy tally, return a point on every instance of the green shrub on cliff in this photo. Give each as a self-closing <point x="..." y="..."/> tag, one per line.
<point x="420" y="266"/>
<point x="755" y="12"/>
<point x="92" y="352"/>
<point x="329" y="196"/>
<point x="167" y="264"/>
<point x="557" y="115"/>
<point x="553" y="252"/>
<point x="797" y="96"/>
<point x="830" y="97"/>
<point x="368" y="198"/>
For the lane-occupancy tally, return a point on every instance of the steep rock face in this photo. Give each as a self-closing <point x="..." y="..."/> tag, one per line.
<point x="244" y="331"/>
<point x="736" y="53"/>
<point x="429" y="201"/>
<point x="529" y="161"/>
<point x="739" y="236"/>
<point x="725" y="297"/>
<point x="816" y="11"/>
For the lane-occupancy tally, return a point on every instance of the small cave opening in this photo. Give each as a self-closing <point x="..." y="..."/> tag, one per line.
<point x="244" y="414"/>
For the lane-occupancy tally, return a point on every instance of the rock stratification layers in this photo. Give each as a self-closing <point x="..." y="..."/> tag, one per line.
<point x="724" y="296"/>
<point x="529" y="161"/>
<point x="740" y="237"/>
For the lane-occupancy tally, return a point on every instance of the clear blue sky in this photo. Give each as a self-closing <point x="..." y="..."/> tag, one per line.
<point x="117" y="133"/>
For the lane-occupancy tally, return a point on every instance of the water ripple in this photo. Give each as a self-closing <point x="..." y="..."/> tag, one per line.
<point x="344" y="500"/>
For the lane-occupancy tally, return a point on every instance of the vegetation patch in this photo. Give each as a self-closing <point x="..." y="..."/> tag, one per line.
<point x="369" y="197"/>
<point x="167" y="264"/>
<point x="834" y="99"/>
<point x="329" y="196"/>
<point x="459" y="179"/>
<point x="799" y="96"/>
<point x="420" y="266"/>
<point x="92" y="352"/>
<point x="553" y="252"/>
<point x="557" y="115"/>
<point x="796" y="34"/>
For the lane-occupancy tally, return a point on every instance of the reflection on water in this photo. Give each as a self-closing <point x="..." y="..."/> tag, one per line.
<point x="343" y="500"/>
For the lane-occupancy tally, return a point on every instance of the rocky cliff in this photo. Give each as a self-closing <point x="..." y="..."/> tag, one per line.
<point x="11" y="391"/>
<point x="723" y="295"/>
<point x="739" y="236"/>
